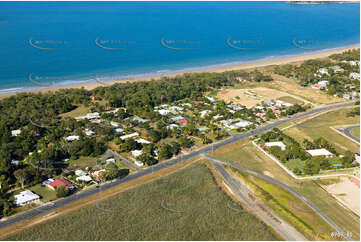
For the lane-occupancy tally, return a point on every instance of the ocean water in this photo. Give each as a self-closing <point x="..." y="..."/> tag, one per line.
<point x="45" y="44"/>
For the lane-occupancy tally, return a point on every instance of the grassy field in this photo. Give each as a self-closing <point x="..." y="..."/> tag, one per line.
<point x="289" y="207"/>
<point x="79" y="111"/>
<point x="320" y="127"/>
<point x="244" y="154"/>
<point x="45" y="193"/>
<point x="290" y="100"/>
<point x="186" y="205"/>
<point x="355" y="132"/>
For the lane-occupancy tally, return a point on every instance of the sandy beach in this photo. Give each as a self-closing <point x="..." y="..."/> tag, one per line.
<point x="245" y="66"/>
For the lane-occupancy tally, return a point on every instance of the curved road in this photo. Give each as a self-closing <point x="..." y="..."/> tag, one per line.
<point x="290" y="189"/>
<point x="347" y="132"/>
<point x="84" y="194"/>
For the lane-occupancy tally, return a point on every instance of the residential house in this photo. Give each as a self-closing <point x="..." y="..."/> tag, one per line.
<point x="172" y="126"/>
<point x="174" y="119"/>
<point x="234" y="107"/>
<point x="60" y="182"/>
<point x="15" y="132"/>
<point x="277" y="143"/>
<point x="136" y="153"/>
<point x="89" y="132"/>
<point x="354" y="75"/>
<point x="319" y="152"/>
<point x="212" y="100"/>
<point x="127" y="136"/>
<point x="204" y="113"/>
<point x="182" y="121"/>
<point x="323" y="71"/>
<point x="142" y="141"/>
<point x="118" y="130"/>
<point x="72" y="138"/>
<point x="25" y="197"/>
<point x="280" y="103"/>
<point x="85" y="178"/>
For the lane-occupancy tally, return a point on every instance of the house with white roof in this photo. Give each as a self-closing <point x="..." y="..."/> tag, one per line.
<point x="277" y="143"/>
<point x="235" y="123"/>
<point x="140" y="120"/>
<point x="234" y="107"/>
<point x="280" y="103"/>
<point x="127" y="136"/>
<point x="136" y="153"/>
<point x="164" y="111"/>
<point x="319" y="152"/>
<point x="85" y="178"/>
<point x="176" y="108"/>
<point x="16" y="132"/>
<point x="323" y="71"/>
<point x="80" y="172"/>
<point x="142" y="141"/>
<point x="172" y="126"/>
<point x="212" y="100"/>
<point x="72" y="138"/>
<point x="118" y="130"/>
<point x="89" y="132"/>
<point x="204" y="113"/>
<point x="110" y="160"/>
<point x="114" y="124"/>
<point x="337" y="69"/>
<point x="25" y="197"/>
<point x="354" y="75"/>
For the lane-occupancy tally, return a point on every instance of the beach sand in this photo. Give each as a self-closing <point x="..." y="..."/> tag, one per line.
<point x="245" y="66"/>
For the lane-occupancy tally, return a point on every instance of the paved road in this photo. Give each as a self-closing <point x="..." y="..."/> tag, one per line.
<point x="124" y="161"/>
<point x="241" y="191"/>
<point x="143" y="172"/>
<point x="290" y="189"/>
<point x="347" y="132"/>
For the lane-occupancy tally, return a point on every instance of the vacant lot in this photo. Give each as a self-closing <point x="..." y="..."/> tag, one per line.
<point x="355" y="132"/>
<point x="253" y="96"/>
<point x="347" y="192"/>
<point x="244" y="154"/>
<point x="186" y="205"/>
<point x="320" y="127"/>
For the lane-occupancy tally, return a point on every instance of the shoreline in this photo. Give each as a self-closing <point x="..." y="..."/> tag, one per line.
<point x="219" y="68"/>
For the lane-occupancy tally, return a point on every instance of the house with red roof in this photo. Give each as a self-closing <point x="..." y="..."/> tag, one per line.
<point x="60" y="182"/>
<point x="182" y="121"/>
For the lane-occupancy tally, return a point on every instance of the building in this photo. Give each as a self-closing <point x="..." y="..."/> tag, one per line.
<point x="142" y="141"/>
<point x="172" y="126"/>
<point x="127" y="136"/>
<point x="164" y="112"/>
<point x="80" y="172"/>
<point x="354" y="75"/>
<point x="268" y="102"/>
<point x="114" y="124"/>
<point x="110" y="160"/>
<point x="89" y="116"/>
<point x="277" y="143"/>
<point x="175" y="119"/>
<point x="182" y="121"/>
<point x="16" y="132"/>
<point x="139" y="120"/>
<point x="85" y="178"/>
<point x="235" y="123"/>
<point x="234" y="107"/>
<point x="25" y="197"/>
<point x="118" y="130"/>
<point x="98" y="174"/>
<point x="337" y="69"/>
<point x="280" y="103"/>
<point x="204" y="113"/>
<point x="323" y="71"/>
<point x="136" y="153"/>
<point x="89" y="132"/>
<point x="60" y="182"/>
<point x="319" y="152"/>
<point x="212" y="100"/>
<point x="72" y="138"/>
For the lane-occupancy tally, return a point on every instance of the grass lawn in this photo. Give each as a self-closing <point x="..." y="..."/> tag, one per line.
<point x="355" y="132"/>
<point x="289" y="99"/>
<point x="289" y="207"/>
<point x="83" y="161"/>
<point x="45" y="193"/>
<point x="186" y="205"/>
<point x="244" y="154"/>
<point x="320" y="127"/>
<point x="79" y="111"/>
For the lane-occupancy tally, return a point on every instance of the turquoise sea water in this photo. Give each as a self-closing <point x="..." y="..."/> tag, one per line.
<point x="45" y="44"/>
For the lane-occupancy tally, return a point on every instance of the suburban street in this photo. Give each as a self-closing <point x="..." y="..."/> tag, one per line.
<point x="287" y="232"/>
<point x="291" y="190"/>
<point x="142" y="172"/>
<point x="347" y="132"/>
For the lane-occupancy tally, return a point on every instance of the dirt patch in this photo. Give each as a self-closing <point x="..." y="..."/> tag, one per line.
<point x="267" y="173"/>
<point x="253" y="96"/>
<point x="347" y="193"/>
